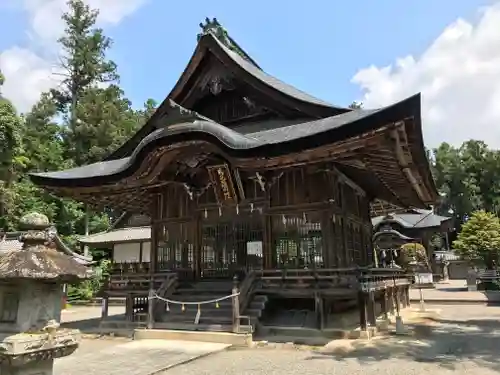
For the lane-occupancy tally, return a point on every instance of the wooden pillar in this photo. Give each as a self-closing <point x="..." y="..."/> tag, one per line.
<point x="268" y="245"/>
<point x="129" y="307"/>
<point x="197" y="247"/>
<point x="371" y="309"/>
<point x="155" y="214"/>
<point x="236" y="305"/>
<point x="362" y="302"/>
<point x="320" y="311"/>
<point x="327" y="234"/>
<point x="407" y="295"/>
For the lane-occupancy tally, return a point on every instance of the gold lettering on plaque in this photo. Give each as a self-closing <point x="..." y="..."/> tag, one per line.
<point x="224" y="184"/>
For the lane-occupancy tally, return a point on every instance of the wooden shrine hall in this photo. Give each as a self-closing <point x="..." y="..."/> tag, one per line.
<point x="258" y="190"/>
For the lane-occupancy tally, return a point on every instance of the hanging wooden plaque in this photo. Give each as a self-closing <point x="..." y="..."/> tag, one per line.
<point x="223" y="184"/>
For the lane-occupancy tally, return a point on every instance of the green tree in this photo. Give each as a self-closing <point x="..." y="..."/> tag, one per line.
<point x="466" y="179"/>
<point x="105" y="121"/>
<point x="479" y="238"/>
<point x="86" y="67"/>
<point x="43" y="145"/>
<point x="12" y="158"/>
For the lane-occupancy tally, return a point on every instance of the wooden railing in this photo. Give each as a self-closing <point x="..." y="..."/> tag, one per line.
<point x="246" y="289"/>
<point x="165" y="290"/>
<point x="381" y="278"/>
<point x="133" y="283"/>
<point x="354" y="278"/>
<point x="130" y="268"/>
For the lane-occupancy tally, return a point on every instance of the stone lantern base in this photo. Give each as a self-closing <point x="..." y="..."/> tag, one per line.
<point x="34" y="353"/>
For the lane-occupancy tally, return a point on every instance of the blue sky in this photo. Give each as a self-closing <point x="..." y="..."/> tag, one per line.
<point x="318" y="46"/>
<point x="315" y="45"/>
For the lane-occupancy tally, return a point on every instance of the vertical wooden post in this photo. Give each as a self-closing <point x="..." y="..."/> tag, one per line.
<point x="236" y="305"/>
<point x="197" y="247"/>
<point x="363" y="323"/>
<point x="407" y="295"/>
<point x="320" y="311"/>
<point x="372" y="318"/>
<point x="155" y="213"/>
<point x="129" y="307"/>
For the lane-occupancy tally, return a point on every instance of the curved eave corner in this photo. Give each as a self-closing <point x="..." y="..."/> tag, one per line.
<point x="418" y="152"/>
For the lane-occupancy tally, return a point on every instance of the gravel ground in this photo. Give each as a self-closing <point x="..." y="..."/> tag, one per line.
<point x="465" y="339"/>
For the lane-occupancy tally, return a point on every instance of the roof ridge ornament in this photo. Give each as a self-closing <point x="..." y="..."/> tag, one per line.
<point x="212" y="26"/>
<point x="177" y="113"/>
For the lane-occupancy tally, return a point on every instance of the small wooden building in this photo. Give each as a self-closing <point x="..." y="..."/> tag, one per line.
<point x="243" y="174"/>
<point x="128" y="241"/>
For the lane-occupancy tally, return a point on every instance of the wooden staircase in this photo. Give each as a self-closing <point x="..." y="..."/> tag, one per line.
<point x="214" y="316"/>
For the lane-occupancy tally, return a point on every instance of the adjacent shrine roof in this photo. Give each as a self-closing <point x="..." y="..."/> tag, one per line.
<point x="380" y="149"/>
<point x="134" y="234"/>
<point x="418" y="219"/>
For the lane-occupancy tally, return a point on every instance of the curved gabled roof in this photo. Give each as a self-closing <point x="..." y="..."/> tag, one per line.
<point x="273" y="142"/>
<point x="248" y="71"/>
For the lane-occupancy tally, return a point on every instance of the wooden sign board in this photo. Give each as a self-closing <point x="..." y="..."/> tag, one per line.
<point x="223" y="183"/>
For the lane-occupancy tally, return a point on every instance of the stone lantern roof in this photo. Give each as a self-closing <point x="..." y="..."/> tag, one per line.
<point x="36" y="260"/>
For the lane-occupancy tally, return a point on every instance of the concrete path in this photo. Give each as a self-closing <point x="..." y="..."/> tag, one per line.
<point x="454" y="291"/>
<point x="144" y="357"/>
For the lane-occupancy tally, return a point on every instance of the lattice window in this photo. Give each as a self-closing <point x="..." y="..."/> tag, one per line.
<point x="175" y="245"/>
<point x="298" y="241"/>
<point x="357" y="244"/>
<point x="231" y="243"/>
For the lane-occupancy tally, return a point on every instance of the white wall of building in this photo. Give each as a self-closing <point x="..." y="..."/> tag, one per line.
<point x="131" y="252"/>
<point x="146" y="252"/>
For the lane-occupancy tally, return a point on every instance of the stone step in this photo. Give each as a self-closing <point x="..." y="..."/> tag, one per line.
<point x="210" y="327"/>
<point x="207" y="285"/>
<point x="204" y="319"/>
<point x="194" y="327"/>
<point x="210" y="311"/>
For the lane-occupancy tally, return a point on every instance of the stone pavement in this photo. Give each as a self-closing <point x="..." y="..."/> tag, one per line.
<point x="454" y="291"/>
<point x="142" y="357"/>
<point x="463" y="341"/>
<point x="80" y="313"/>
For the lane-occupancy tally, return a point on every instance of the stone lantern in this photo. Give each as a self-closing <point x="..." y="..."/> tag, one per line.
<point x="30" y="302"/>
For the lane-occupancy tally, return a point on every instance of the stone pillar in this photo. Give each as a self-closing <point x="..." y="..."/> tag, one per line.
<point x="390" y="295"/>
<point x="471" y="280"/>
<point x="104" y="307"/>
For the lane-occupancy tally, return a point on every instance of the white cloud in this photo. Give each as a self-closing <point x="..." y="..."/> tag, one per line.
<point x="459" y="77"/>
<point x="31" y="71"/>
